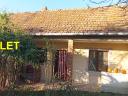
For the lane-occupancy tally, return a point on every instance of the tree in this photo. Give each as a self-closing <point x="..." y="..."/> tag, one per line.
<point x="104" y="1"/>
<point x="118" y="2"/>
<point x="12" y="60"/>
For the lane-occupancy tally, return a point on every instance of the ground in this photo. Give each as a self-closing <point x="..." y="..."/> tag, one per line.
<point x="39" y="90"/>
<point x="55" y="93"/>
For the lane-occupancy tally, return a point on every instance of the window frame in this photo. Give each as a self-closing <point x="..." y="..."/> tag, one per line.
<point x="96" y="59"/>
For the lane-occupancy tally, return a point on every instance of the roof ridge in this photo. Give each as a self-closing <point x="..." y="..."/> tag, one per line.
<point x="72" y="20"/>
<point x="72" y="9"/>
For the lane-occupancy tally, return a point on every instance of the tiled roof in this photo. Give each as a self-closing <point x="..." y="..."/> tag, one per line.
<point x="105" y="19"/>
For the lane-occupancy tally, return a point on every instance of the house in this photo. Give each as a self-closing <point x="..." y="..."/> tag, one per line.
<point x="92" y="44"/>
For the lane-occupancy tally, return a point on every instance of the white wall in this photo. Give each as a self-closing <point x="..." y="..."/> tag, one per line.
<point x="118" y="59"/>
<point x="116" y="82"/>
<point x="110" y="82"/>
<point x="80" y="65"/>
<point x="81" y="76"/>
<point x="113" y="82"/>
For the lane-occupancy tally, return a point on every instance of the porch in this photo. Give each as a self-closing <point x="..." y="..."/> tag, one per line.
<point x="110" y="72"/>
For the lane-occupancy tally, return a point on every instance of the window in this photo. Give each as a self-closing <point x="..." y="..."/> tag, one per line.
<point x="98" y="60"/>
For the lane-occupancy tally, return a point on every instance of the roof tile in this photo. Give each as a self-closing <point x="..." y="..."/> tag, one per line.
<point x="111" y="18"/>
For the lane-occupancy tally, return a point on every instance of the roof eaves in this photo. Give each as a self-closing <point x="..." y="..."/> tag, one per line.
<point x="78" y="33"/>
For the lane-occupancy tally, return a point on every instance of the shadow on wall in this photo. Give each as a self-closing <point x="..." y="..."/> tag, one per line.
<point x="80" y="68"/>
<point x="119" y="59"/>
<point x="114" y="82"/>
<point x="96" y="81"/>
<point x="84" y="79"/>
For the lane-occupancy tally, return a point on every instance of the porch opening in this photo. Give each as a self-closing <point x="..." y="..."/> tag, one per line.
<point x="60" y="67"/>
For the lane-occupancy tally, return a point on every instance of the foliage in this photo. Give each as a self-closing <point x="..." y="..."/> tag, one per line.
<point x="123" y="3"/>
<point x="57" y="93"/>
<point x="11" y="61"/>
<point x="105" y="1"/>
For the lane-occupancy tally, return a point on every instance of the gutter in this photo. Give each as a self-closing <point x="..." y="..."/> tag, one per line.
<point x="80" y="34"/>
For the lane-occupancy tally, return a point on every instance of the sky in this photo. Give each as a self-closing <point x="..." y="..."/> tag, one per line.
<point x="37" y="5"/>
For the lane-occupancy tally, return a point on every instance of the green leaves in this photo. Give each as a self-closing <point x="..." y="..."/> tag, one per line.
<point x="11" y="61"/>
<point x="27" y="50"/>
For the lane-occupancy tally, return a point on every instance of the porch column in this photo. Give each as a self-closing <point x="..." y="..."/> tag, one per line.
<point x="48" y="66"/>
<point x="70" y="59"/>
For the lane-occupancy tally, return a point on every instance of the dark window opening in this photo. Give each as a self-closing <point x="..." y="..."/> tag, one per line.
<point x="98" y="60"/>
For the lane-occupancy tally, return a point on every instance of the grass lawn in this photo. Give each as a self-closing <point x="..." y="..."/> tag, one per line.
<point x="55" y="93"/>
